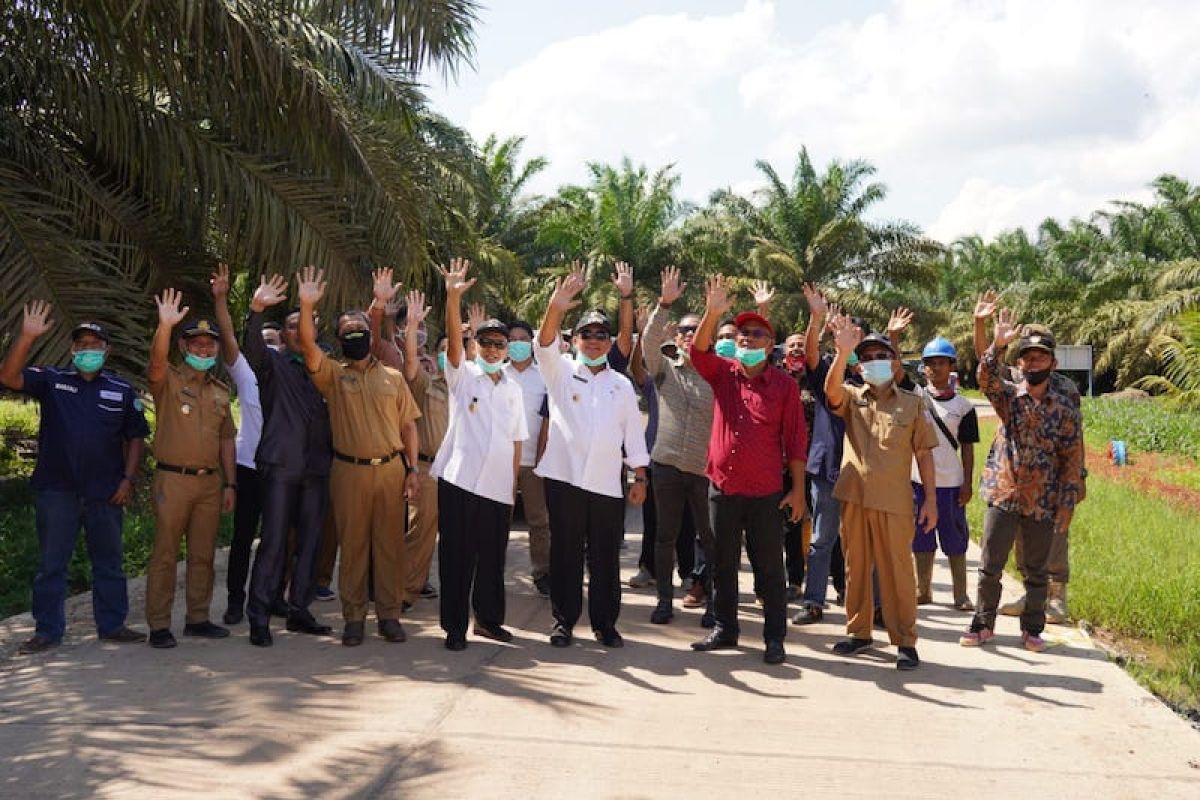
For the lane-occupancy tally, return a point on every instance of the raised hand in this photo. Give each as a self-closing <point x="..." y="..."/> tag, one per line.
<point x="900" y="320"/>
<point x="417" y="311"/>
<point x="623" y="278"/>
<point x="270" y="292"/>
<point x="762" y="291"/>
<point x="310" y="285"/>
<point x="456" y="277"/>
<point x="846" y="335"/>
<point x="716" y="295"/>
<point x="169" y="312"/>
<point x="382" y="287"/>
<point x="476" y="316"/>
<point x="37" y="319"/>
<point x="985" y="306"/>
<point x="815" y="299"/>
<point x="567" y="287"/>
<point x="1007" y="328"/>
<point x="220" y="282"/>
<point x="672" y="287"/>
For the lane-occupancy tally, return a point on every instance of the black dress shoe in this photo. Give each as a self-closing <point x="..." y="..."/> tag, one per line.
<point x="456" y="643"/>
<point x="774" y="653"/>
<point x="306" y="623"/>
<point x="260" y="636"/>
<point x="205" y="630"/>
<point x="392" y="630"/>
<point x="717" y="640"/>
<point x="662" y="613"/>
<point x="490" y="630"/>
<point x="560" y="636"/>
<point x="352" y="636"/>
<point x="907" y="659"/>
<point x="609" y="638"/>
<point x="233" y="616"/>
<point x="162" y="638"/>
<point x="278" y="609"/>
<point x="123" y="635"/>
<point x="852" y="647"/>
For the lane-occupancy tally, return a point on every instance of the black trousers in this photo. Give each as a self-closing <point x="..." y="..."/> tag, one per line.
<point x="472" y="544"/>
<point x="684" y="529"/>
<point x="288" y="503"/>
<point x="584" y="523"/>
<point x="246" y="516"/>
<point x="759" y="517"/>
<point x="682" y="498"/>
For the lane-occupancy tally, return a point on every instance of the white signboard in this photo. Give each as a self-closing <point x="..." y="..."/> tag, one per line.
<point x="1074" y="356"/>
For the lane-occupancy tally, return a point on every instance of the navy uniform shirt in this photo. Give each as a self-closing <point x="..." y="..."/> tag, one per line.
<point x="83" y="431"/>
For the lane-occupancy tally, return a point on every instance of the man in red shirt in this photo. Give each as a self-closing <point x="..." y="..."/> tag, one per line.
<point x="758" y="427"/>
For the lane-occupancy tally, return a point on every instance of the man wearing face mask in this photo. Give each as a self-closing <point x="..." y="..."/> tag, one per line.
<point x="373" y="420"/>
<point x="90" y="444"/>
<point x="757" y="429"/>
<point x="195" y="477"/>
<point x="1032" y="480"/>
<point x="886" y="428"/>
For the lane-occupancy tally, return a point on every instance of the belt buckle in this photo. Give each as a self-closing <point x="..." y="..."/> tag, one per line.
<point x="375" y="462"/>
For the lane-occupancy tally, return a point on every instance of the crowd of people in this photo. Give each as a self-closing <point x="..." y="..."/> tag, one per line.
<point x="820" y="455"/>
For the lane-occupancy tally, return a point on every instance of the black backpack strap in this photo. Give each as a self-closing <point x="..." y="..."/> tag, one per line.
<point x="941" y="425"/>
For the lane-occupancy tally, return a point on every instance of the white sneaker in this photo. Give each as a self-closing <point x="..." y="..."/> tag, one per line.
<point x="641" y="579"/>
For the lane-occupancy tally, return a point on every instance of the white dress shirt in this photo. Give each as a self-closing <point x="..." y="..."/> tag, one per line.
<point x="250" y="427"/>
<point x="486" y="419"/>
<point x="533" y="390"/>
<point x="591" y="417"/>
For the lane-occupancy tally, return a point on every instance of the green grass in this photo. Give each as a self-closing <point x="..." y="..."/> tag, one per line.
<point x="1135" y="559"/>
<point x="1144" y="425"/>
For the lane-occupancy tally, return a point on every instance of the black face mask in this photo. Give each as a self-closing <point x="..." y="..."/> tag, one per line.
<point x="1037" y="378"/>
<point x="356" y="345"/>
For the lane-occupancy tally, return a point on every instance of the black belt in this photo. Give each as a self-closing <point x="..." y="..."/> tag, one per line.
<point x="186" y="470"/>
<point x="425" y="458"/>
<point x="367" y="462"/>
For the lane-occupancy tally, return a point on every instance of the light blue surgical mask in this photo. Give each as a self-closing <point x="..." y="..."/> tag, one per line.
<point x="750" y="356"/>
<point x="520" y="351"/>
<point x="200" y="364"/>
<point x="877" y="373"/>
<point x="598" y="361"/>
<point x="88" y="360"/>
<point x="487" y="366"/>
<point x="725" y="348"/>
<point x="441" y="361"/>
<point x="852" y="361"/>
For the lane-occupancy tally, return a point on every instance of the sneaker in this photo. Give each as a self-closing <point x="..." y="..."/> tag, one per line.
<point x="852" y="647"/>
<point x="36" y="644"/>
<point x="808" y="615"/>
<point x="695" y="597"/>
<point x="907" y="659"/>
<point x="162" y="638"/>
<point x="542" y="585"/>
<point x="325" y="594"/>
<point x="429" y="591"/>
<point x="1014" y="609"/>
<point x="641" y="579"/>
<point x="977" y="638"/>
<point x="708" y="620"/>
<point x="1032" y="642"/>
<point x="560" y="636"/>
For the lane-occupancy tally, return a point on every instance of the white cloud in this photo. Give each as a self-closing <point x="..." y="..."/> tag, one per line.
<point x="979" y="115"/>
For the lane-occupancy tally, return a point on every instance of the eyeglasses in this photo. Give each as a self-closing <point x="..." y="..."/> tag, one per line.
<point x="599" y="336"/>
<point x="684" y="330"/>
<point x="492" y="344"/>
<point x="754" y="333"/>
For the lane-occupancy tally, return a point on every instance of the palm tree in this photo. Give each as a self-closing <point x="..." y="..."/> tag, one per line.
<point x="139" y="142"/>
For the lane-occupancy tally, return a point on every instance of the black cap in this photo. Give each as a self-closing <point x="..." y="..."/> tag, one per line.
<point x="94" y="328"/>
<point x="492" y="326"/>
<point x="875" y="338"/>
<point x="272" y="326"/>
<point x="593" y="317"/>
<point x="1036" y="337"/>
<point x="201" y="327"/>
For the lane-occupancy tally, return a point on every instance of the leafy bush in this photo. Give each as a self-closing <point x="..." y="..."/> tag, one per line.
<point x="1146" y="425"/>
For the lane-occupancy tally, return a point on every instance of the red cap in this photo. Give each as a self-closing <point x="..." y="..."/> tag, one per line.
<point x="752" y="316"/>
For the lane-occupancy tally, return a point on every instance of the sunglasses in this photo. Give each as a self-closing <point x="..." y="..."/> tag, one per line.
<point x="492" y="344"/>
<point x="684" y="330"/>
<point x="588" y="336"/>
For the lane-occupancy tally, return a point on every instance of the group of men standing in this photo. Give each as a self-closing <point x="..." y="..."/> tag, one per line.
<point x="332" y="452"/>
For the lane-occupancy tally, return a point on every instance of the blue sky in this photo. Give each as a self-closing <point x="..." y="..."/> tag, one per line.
<point x="979" y="115"/>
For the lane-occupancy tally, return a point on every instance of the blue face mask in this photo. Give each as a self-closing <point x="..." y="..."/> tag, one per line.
<point x="877" y="373"/>
<point x="852" y="361"/>
<point x="200" y="364"/>
<point x="598" y="361"/>
<point x="441" y="361"/>
<point x="520" y="351"/>
<point x="88" y="360"/>
<point x="725" y="348"/>
<point x="487" y="366"/>
<point x="750" y="357"/>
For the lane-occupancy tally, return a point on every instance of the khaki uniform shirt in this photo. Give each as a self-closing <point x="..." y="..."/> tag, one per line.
<point x="192" y="417"/>
<point x="882" y="436"/>
<point x="432" y="399"/>
<point x="367" y="408"/>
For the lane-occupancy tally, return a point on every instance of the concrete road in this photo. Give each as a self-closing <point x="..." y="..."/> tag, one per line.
<point x="309" y="718"/>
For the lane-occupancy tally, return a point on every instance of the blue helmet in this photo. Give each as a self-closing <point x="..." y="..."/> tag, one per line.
<point x="940" y="347"/>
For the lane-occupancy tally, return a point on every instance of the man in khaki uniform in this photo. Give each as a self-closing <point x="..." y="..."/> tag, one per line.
<point x="886" y="428"/>
<point x="373" y="420"/>
<point x="194" y="447"/>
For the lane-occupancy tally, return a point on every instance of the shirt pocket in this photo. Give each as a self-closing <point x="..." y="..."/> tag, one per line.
<point x="214" y="420"/>
<point x="110" y="417"/>
<point x="896" y="429"/>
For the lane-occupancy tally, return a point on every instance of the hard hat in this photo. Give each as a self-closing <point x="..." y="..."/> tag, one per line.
<point x="941" y="347"/>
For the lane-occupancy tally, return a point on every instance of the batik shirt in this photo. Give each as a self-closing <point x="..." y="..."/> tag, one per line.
<point x="1035" y="465"/>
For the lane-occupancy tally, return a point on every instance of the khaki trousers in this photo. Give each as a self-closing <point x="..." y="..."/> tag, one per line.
<point x="326" y="553"/>
<point x="533" y="500"/>
<point x="186" y="508"/>
<point x="368" y="509"/>
<point x="881" y="540"/>
<point x="422" y="532"/>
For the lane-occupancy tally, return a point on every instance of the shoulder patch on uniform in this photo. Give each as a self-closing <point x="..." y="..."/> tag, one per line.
<point x="138" y="405"/>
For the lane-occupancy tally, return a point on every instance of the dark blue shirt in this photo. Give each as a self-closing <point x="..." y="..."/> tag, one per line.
<point x="828" y="431"/>
<point x="83" y="431"/>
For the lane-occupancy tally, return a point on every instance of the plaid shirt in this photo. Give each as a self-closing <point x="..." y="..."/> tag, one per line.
<point x="1035" y="465"/>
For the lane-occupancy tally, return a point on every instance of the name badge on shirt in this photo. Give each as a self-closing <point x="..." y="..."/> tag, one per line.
<point x="66" y="387"/>
<point x="108" y="394"/>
